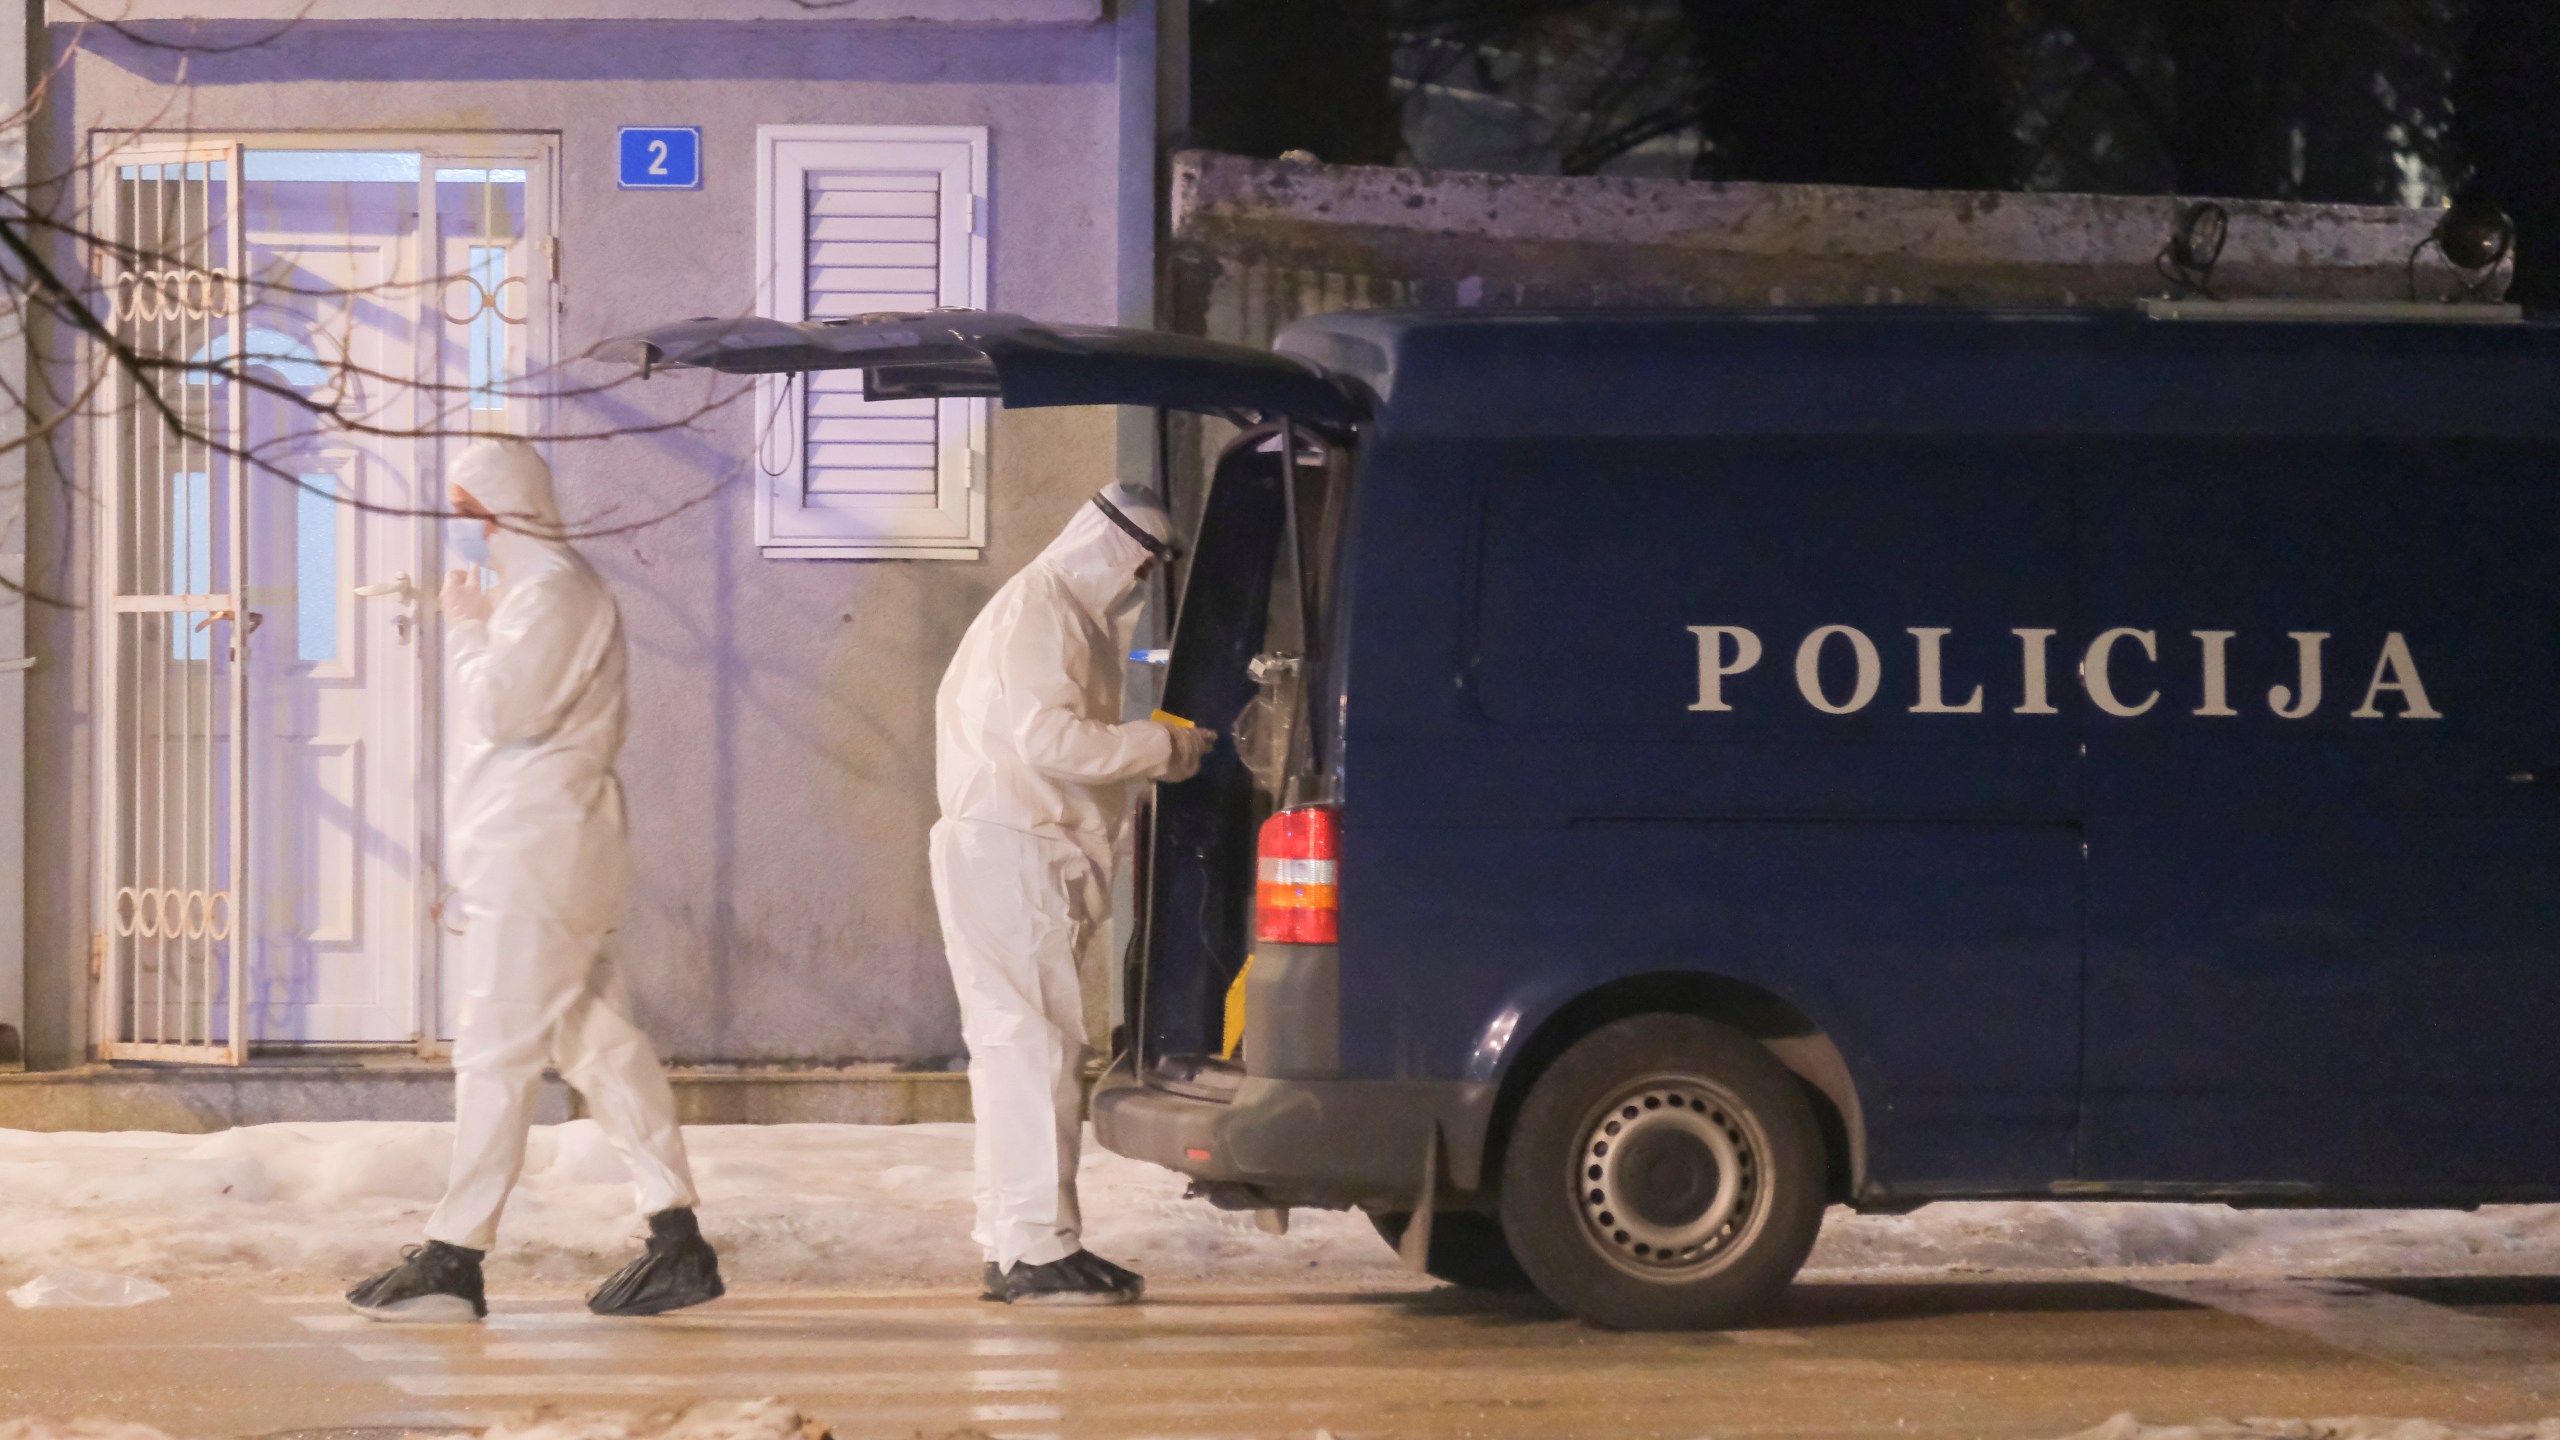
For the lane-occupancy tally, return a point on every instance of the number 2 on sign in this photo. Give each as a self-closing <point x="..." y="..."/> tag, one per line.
<point x="657" y="157"/>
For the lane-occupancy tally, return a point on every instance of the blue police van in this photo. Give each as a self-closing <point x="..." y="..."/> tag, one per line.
<point x="1693" y="768"/>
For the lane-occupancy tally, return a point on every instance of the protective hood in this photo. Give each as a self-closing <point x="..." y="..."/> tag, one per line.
<point x="1096" y="559"/>
<point x="509" y="479"/>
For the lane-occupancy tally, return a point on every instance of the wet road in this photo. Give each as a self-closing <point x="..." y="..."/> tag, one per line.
<point x="1986" y="1356"/>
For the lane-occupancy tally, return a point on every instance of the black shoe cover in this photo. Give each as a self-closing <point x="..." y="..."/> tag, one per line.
<point x="991" y="1282"/>
<point x="678" y="1269"/>
<point x="434" y="1284"/>
<point x="1083" y="1278"/>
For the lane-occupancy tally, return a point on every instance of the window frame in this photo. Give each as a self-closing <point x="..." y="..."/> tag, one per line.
<point x="786" y="528"/>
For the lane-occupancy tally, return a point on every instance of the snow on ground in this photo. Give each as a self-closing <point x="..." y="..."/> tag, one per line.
<point x="315" y="1207"/>
<point x="843" y="1206"/>
<point x="2353" y="1427"/>
<point x="2084" y="1234"/>
<point x="706" y="1420"/>
<point x="772" y="1420"/>
<point x="38" y="1428"/>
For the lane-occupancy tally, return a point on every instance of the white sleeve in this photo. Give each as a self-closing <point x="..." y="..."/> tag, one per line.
<point x="520" y="670"/>
<point x="1046" y="669"/>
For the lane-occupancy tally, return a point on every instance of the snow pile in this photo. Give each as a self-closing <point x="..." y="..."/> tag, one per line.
<point x="2353" y="1427"/>
<point x="316" y="1207"/>
<point x="709" y="1420"/>
<point x="773" y="1420"/>
<point x="84" y="1289"/>
<point x="840" y="1206"/>
<point x="41" y="1429"/>
<point x="1983" y="1235"/>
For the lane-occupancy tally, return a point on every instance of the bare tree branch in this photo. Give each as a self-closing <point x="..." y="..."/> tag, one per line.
<point x="125" y="31"/>
<point x="106" y="372"/>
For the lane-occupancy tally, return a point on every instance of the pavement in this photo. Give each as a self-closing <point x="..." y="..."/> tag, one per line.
<point x="1964" y="1356"/>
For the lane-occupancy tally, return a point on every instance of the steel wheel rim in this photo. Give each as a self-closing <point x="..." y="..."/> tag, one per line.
<point x="1670" y="1179"/>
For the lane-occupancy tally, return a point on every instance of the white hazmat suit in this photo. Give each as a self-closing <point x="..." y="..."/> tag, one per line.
<point x="1032" y="764"/>
<point x="537" y="851"/>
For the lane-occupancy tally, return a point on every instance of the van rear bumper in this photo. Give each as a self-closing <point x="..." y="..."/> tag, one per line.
<point x="1318" y="1143"/>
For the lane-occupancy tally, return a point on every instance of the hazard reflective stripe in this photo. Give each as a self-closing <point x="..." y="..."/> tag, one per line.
<point x="1299" y="872"/>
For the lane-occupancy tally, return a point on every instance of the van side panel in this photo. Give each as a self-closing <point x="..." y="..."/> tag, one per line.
<point x="2325" y="936"/>
<point x="1406" y="560"/>
<point x="1549" y="790"/>
<point x="1940" y="960"/>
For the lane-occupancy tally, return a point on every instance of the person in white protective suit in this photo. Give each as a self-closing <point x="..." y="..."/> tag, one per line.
<point x="537" y="852"/>
<point x="1032" y="763"/>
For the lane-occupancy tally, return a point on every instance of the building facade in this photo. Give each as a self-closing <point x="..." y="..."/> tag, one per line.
<point x="411" y="224"/>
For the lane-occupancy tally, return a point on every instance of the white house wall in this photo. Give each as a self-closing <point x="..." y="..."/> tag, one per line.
<point x="780" y="761"/>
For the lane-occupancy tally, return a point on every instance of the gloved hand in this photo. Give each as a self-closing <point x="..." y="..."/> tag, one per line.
<point x="1190" y="745"/>
<point x="463" y="599"/>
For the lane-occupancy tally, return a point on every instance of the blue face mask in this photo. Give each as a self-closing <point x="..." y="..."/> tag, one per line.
<point x="467" y="538"/>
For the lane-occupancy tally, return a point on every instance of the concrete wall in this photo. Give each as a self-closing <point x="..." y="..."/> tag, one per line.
<point x="1257" y="243"/>
<point x="368" y="1086"/>
<point x="14" y="34"/>
<point x="780" y="761"/>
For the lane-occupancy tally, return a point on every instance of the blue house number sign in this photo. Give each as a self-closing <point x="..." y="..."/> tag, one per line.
<point x="662" y="157"/>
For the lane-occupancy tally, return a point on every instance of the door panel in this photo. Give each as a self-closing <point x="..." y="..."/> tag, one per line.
<point x="335" y="317"/>
<point x="2325" y="938"/>
<point x="327" y="773"/>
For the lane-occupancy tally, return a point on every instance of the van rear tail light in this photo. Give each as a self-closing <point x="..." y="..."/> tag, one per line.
<point x="1299" y="865"/>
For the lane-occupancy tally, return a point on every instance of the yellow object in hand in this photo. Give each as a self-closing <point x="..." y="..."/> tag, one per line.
<point x="1167" y="717"/>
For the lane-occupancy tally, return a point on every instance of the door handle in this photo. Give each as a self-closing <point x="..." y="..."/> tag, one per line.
<point x="398" y="588"/>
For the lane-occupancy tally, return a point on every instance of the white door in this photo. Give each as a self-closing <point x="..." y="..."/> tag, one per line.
<point x="353" y="314"/>
<point x="333" y="260"/>
<point x="405" y="339"/>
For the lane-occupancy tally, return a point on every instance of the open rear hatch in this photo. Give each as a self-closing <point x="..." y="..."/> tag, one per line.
<point x="944" y="354"/>
<point x="1254" y="591"/>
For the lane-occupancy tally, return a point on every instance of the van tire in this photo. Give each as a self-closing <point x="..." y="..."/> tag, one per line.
<point x="1467" y="1249"/>
<point x="1732" y="1153"/>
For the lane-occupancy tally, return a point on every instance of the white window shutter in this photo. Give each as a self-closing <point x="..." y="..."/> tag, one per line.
<point x="855" y="220"/>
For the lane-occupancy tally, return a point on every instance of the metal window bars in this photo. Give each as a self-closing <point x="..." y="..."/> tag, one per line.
<point x="174" y="541"/>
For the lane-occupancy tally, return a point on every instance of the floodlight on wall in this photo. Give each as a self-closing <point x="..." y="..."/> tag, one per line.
<point x="2195" y="245"/>
<point x="2475" y="237"/>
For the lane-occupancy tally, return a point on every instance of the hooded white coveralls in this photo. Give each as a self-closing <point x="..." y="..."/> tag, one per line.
<point x="1032" y="765"/>
<point x="537" y="853"/>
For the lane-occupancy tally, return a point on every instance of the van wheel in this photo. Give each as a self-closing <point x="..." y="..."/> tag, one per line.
<point x="1665" y="1174"/>
<point x="1467" y="1249"/>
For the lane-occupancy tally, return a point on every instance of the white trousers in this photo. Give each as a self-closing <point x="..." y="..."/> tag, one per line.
<point x="1015" y="908"/>
<point x="537" y="993"/>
